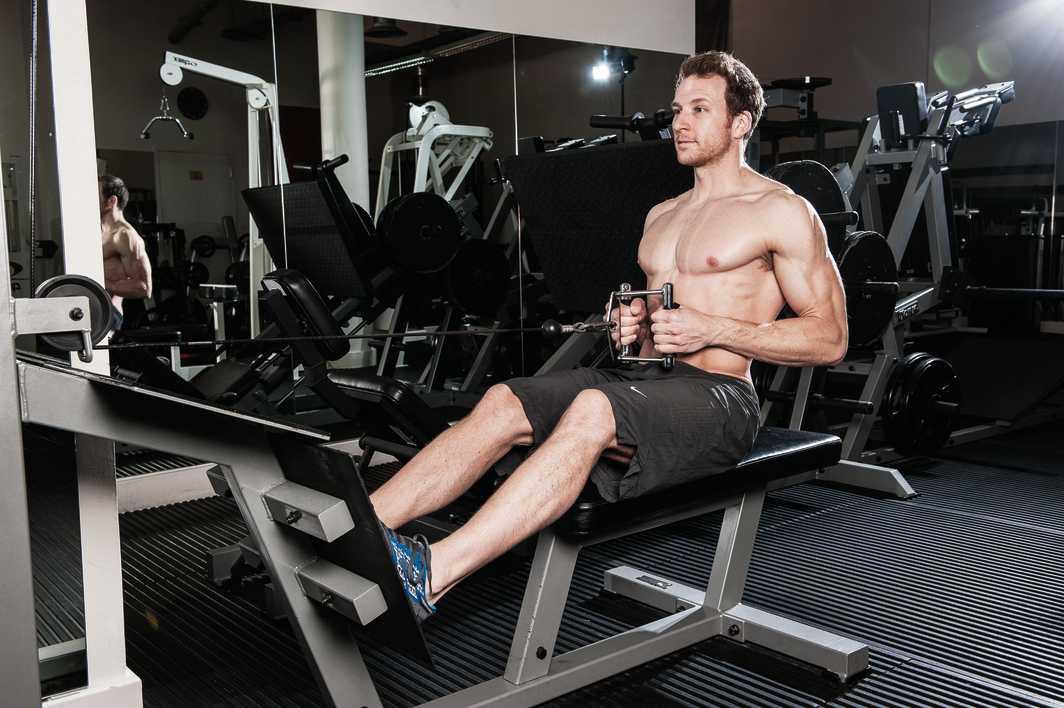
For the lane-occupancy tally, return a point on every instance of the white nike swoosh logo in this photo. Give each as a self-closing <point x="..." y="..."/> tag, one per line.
<point x="639" y="392"/>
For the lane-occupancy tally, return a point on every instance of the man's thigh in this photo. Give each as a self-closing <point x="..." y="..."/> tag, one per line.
<point x="545" y="398"/>
<point x="682" y="426"/>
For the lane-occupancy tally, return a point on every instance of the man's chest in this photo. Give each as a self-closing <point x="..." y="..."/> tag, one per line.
<point x="709" y="241"/>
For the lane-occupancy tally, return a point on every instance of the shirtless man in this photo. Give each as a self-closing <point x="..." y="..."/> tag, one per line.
<point x="126" y="269"/>
<point x="737" y="247"/>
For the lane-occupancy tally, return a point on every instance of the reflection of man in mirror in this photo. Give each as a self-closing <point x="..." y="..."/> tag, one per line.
<point x="126" y="269"/>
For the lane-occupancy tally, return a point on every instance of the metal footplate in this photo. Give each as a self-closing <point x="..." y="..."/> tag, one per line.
<point x="321" y="515"/>
<point x="354" y="597"/>
<point x="838" y="655"/>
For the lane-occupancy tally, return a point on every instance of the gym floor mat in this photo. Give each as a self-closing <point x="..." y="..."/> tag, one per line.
<point x="949" y="589"/>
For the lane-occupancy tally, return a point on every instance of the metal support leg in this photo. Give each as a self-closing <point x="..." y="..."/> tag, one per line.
<point x="734" y="549"/>
<point x="18" y="650"/>
<point x="101" y="560"/>
<point x="801" y="398"/>
<point x="857" y="474"/>
<point x="541" y="611"/>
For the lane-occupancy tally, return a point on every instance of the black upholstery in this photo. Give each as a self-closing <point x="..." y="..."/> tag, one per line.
<point x="309" y="234"/>
<point x="312" y="311"/>
<point x="398" y="400"/>
<point x="777" y="453"/>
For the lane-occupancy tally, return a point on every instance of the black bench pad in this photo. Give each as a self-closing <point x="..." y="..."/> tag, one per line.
<point x="399" y="401"/>
<point x="777" y="453"/>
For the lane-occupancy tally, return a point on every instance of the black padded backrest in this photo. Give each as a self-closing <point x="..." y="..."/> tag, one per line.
<point x="307" y="235"/>
<point x="311" y="310"/>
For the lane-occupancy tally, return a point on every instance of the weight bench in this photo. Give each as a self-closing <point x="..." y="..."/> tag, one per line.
<point x="780" y="458"/>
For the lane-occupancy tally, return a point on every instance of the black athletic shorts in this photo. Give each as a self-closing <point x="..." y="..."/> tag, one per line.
<point x="684" y="423"/>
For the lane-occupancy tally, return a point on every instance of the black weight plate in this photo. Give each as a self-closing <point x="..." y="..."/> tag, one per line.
<point x="895" y="419"/>
<point x="420" y="231"/>
<point x="192" y="103"/>
<point x="933" y="380"/>
<point x="100" y="310"/>
<point x="478" y="277"/>
<point x="203" y="246"/>
<point x="813" y="181"/>
<point x="239" y="274"/>
<point x="866" y="257"/>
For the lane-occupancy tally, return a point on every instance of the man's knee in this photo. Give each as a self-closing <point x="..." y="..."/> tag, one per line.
<point x="591" y="415"/>
<point x="501" y="406"/>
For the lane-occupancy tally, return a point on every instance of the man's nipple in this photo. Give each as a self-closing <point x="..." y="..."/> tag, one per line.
<point x="712" y="262"/>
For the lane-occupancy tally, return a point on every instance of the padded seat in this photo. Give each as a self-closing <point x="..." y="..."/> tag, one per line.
<point x="399" y="401"/>
<point x="777" y="453"/>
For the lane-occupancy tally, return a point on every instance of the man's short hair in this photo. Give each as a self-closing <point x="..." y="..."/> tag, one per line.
<point x="111" y="186"/>
<point x="744" y="90"/>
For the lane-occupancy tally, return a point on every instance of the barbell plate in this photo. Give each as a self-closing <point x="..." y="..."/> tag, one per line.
<point x="866" y="257"/>
<point x="420" y="232"/>
<point x="100" y="311"/>
<point x="917" y="422"/>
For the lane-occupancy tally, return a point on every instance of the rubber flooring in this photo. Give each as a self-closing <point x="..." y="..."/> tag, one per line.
<point x="957" y="591"/>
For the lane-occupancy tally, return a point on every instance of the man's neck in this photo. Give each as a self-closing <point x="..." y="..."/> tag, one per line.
<point x="719" y="178"/>
<point x="112" y="218"/>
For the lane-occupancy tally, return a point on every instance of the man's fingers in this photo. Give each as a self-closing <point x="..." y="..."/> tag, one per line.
<point x="638" y="307"/>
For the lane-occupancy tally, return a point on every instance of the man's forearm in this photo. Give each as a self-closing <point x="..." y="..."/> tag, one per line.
<point x="129" y="288"/>
<point x="797" y="341"/>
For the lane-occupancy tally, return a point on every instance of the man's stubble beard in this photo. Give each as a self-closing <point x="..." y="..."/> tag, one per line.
<point x="704" y="157"/>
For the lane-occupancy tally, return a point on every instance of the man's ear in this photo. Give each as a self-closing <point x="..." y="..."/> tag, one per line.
<point x="741" y="125"/>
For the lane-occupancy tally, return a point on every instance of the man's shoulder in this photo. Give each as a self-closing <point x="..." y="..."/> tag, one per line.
<point x="125" y="230"/>
<point x="663" y="207"/>
<point x="775" y="200"/>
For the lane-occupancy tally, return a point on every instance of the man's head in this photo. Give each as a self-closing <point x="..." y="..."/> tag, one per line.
<point x="113" y="194"/>
<point x="717" y="105"/>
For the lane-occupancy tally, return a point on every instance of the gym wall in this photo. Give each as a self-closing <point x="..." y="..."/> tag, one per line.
<point x="945" y="43"/>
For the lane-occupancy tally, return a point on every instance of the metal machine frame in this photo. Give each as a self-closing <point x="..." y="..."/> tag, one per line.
<point x="441" y="149"/>
<point x="261" y="95"/>
<point x="924" y="191"/>
<point x="534" y="675"/>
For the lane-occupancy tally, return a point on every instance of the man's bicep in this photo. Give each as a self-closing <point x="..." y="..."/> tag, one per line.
<point x="134" y="256"/>
<point x="805" y="270"/>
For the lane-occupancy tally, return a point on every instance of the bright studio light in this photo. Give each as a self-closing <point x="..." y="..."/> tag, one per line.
<point x="601" y="71"/>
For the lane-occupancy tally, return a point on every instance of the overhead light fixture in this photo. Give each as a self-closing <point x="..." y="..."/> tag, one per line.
<point x="614" y="62"/>
<point x="601" y="71"/>
<point x="383" y="27"/>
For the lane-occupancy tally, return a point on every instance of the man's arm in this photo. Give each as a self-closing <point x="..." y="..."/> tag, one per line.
<point x="633" y="327"/>
<point x="135" y="263"/>
<point x="810" y="284"/>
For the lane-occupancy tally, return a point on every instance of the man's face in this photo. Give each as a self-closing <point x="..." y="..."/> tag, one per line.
<point x="105" y="204"/>
<point x="702" y="128"/>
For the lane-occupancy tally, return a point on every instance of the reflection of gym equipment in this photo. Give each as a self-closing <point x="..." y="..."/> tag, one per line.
<point x="917" y="398"/>
<point x="164" y="117"/>
<point x="657" y="126"/>
<point x="261" y="97"/>
<point x="363" y="269"/>
<point x="438" y="146"/>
